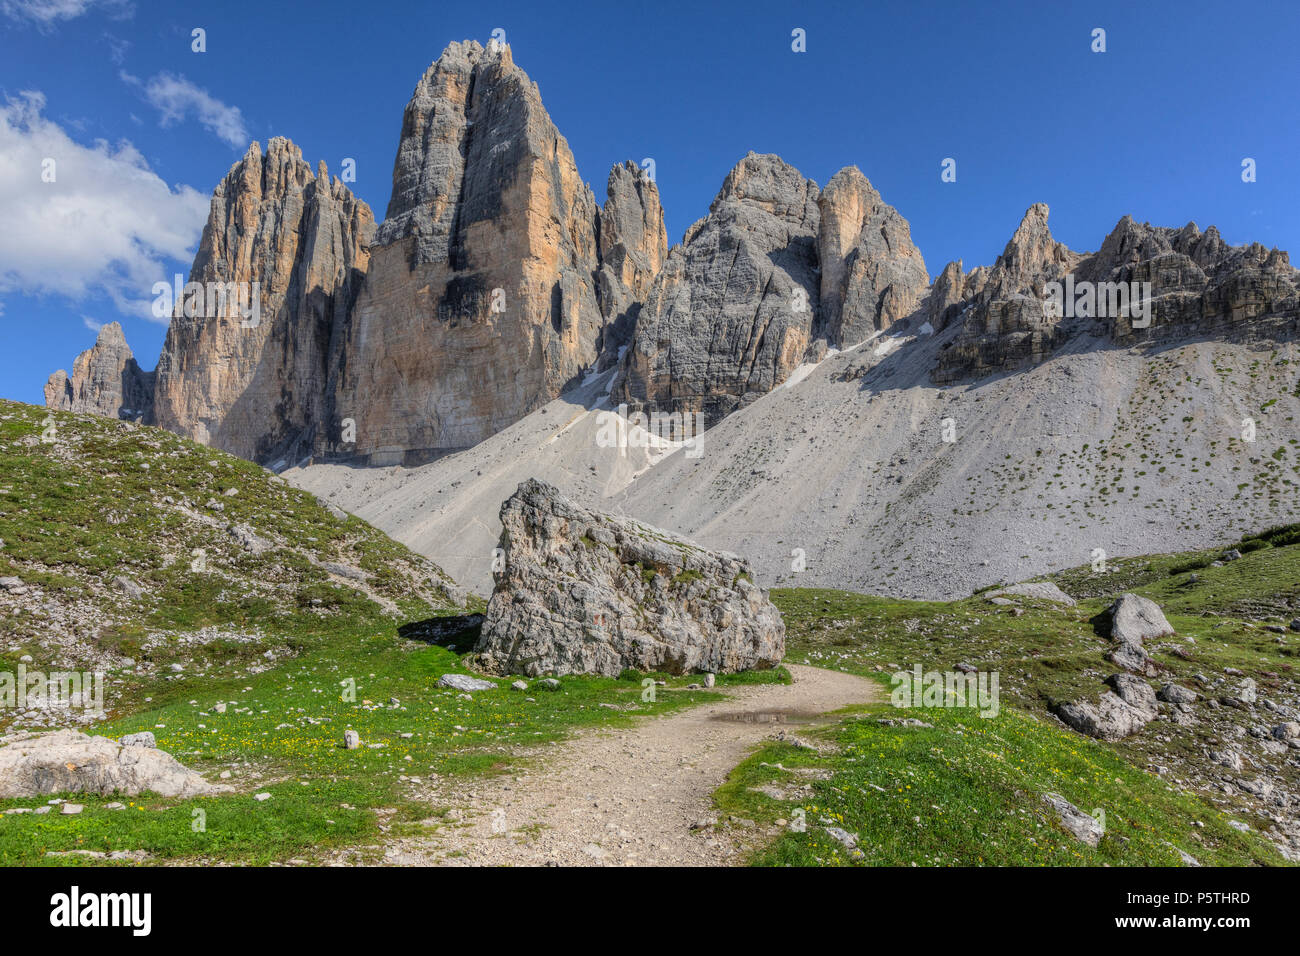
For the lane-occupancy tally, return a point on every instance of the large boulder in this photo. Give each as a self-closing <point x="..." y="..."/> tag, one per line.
<point x="68" y="761"/>
<point x="589" y="593"/>
<point x="1135" y="619"/>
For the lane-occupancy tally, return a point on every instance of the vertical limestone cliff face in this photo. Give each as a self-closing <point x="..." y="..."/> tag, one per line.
<point x="777" y="272"/>
<point x="105" y="380"/>
<point x="480" y="304"/>
<point x="256" y="386"/>
<point x="732" y="312"/>
<point x="633" y="247"/>
<point x="872" y="276"/>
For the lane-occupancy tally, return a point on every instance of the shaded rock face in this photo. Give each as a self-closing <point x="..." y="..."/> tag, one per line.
<point x="1005" y="323"/>
<point x="257" y="387"/>
<point x="633" y="246"/>
<point x="105" y="380"/>
<point x="68" y="761"/>
<point x="732" y="312"/>
<point x="480" y="302"/>
<point x="589" y="593"/>
<point x="1198" y="285"/>
<point x="871" y="274"/>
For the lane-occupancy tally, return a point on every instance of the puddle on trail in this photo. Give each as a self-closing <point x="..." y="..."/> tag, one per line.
<point x="767" y="717"/>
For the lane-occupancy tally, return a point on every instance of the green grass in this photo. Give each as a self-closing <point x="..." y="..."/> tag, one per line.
<point x="282" y="733"/>
<point x="968" y="792"/>
<point x="986" y="776"/>
<point x="78" y="511"/>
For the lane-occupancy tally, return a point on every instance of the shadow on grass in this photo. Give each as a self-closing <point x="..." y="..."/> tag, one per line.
<point x="458" y="633"/>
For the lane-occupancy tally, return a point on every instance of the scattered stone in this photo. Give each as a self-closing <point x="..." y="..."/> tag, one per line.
<point x="136" y="856"/>
<point x="1176" y="694"/>
<point x="1290" y="730"/>
<point x="902" y="722"/>
<point x="1227" y="758"/>
<point x="351" y="740"/>
<point x="71" y="809"/>
<point x="1039" y="590"/>
<point x="261" y="797"/>
<point x="464" y="682"/>
<point x="1085" y="827"/>
<point x="128" y="587"/>
<point x="842" y="837"/>
<point x="1187" y="858"/>
<point x="1117" y="715"/>
<point x="247" y="539"/>
<point x="519" y="685"/>
<point x="144" y="738"/>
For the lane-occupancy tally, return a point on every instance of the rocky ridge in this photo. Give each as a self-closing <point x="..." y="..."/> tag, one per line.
<point x="105" y="380"/>
<point x="496" y="283"/>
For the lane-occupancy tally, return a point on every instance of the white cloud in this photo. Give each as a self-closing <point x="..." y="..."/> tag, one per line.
<point x="175" y="98"/>
<point x="93" y="324"/>
<point x="103" y="228"/>
<point x="45" y="13"/>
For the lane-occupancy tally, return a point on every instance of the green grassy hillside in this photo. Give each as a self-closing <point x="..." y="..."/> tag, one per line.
<point x="969" y="789"/>
<point x="248" y="666"/>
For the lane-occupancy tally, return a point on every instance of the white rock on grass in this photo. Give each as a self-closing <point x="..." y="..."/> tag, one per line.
<point x="68" y="761"/>
<point x="465" y="682"/>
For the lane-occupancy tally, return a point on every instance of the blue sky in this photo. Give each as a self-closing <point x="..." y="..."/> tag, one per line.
<point x="142" y="128"/>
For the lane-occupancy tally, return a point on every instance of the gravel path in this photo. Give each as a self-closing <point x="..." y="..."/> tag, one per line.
<point x="630" y="796"/>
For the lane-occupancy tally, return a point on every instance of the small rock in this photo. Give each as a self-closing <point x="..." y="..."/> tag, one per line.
<point x="144" y="738"/>
<point x="1083" y="826"/>
<point x="519" y="685"/>
<point x="1174" y="694"/>
<point x="71" y="809"/>
<point x="1287" y="731"/>
<point x="128" y="587"/>
<point x="260" y="797"/>
<point x="351" y="740"/>
<point x="465" y="682"/>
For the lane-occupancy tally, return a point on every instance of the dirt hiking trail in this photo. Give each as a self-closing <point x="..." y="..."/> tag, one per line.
<point x="627" y="796"/>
